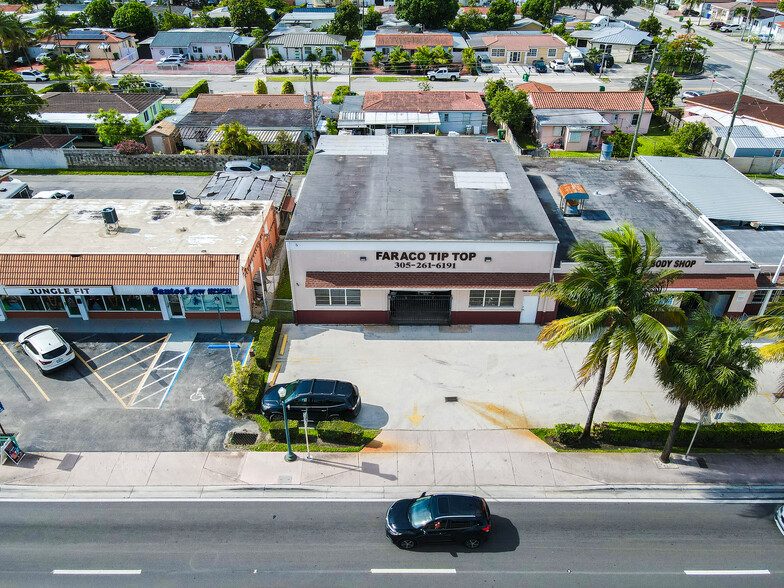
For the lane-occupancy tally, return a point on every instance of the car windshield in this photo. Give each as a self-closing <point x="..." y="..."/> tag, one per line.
<point x="419" y="512"/>
<point x="54" y="352"/>
<point x="255" y="167"/>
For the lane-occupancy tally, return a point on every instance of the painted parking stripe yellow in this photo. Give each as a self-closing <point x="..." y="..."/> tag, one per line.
<point x="95" y="373"/>
<point x="116" y="347"/>
<point x="130" y="366"/>
<point x="129" y="353"/>
<point x="149" y="369"/>
<point x="21" y="367"/>
<point x="283" y="345"/>
<point x="118" y="386"/>
<point x="274" y="375"/>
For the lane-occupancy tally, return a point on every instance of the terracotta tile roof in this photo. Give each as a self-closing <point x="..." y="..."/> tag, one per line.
<point x="709" y="282"/>
<point x="20" y="269"/>
<point x="599" y="101"/>
<point x="534" y="87"/>
<point x="422" y="280"/>
<point x="421" y="101"/>
<point x="522" y="42"/>
<point x="91" y="102"/>
<point x="10" y="7"/>
<point x="765" y="111"/>
<point x="411" y="41"/>
<point x="46" y="142"/>
<point x="226" y="102"/>
<point x="76" y="36"/>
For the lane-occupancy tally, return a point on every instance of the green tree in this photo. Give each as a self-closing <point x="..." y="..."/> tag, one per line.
<point x="287" y="87"/>
<point x="469" y="60"/>
<point x="441" y="56"/>
<point x="259" y="87"/>
<point x="273" y="60"/>
<point x="688" y="26"/>
<point x="114" y="127"/>
<point x="539" y="10"/>
<point x="423" y="56"/>
<point x="619" y="302"/>
<point x="247" y="15"/>
<point x="165" y="113"/>
<point x="684" y="54"/>
<point x="469" y="22"/>
<point x="651" y="25"/>
<point x="89" y="81"/>
<point x="237" y="140"/>
<point x="53" y="24"/>
<point x="326" y="61"/>
<point x="99" y="13"/>
<point x="204" y="20"/>
<point x="346" y="21"/>
<point x="501" y="15"/>
<point x="372" y="19"/>
<point x="332" y="126"/>
<point x="691" y="137"/>
<point x="357" y="58"/>
<point x="17" y="102"/>
<point x="512" y="107"/>
<point x="777" y="82"/>
<point x="378" y="57"/>
<point x="708" y="366"/>
<point x="494" y="86"/>
<point x="132" y="83"/>
<point x="60" y="66"/>
<point x="618" y="7"/>
<point x="668" y="32"/>
<point x="169" y="20"/>
<point x="340" y="93"/>
<point x="663" y="90"/>
<point x="431" y="14"/>
<point x="12" y="34"/>
<point x="134" y="17"/>
<point x="771" y="326"/>
<point x="285" y="145"/>
<point x="622" y="142"/>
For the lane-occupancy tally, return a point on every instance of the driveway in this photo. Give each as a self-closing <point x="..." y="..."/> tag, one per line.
<point x="117" y="187"/>
<point x="481" y="377"/>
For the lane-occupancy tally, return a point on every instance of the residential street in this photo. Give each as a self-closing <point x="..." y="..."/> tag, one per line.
<point x="318" y="544"/>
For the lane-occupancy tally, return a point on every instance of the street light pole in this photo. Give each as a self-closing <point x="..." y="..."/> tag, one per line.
<point x="217" y="306"/>
<point x="289" y="453"/>
<point x="642" y="104"/>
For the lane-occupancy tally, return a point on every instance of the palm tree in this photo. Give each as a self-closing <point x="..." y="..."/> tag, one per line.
<point x="771" y="326"/>
<point x="378" y="57"/>
<point x="273" y="60"/>
<point x="709" y="366"/>
<point x="60" y="66"/>
<point x="12" y="34"/>
<point x="469" y="59"/>
<point x="688" y="26"/>
<point x="441" y="56"/>
<point x="423" y="56"/>
<point x="618" y="298"/>
<point x="399" y="59"/>
<point x="89" y="81"/>
<point x="668" y="32"/>
<point x="53" y="24"/>
<point x="237" y="140"/>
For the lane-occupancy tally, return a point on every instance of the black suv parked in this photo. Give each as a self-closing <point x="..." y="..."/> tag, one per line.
<point x="324" y="400"/>
<point x="438" y="518"/>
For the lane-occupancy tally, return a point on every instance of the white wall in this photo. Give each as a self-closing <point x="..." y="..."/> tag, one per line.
<point x="33" y="158"/>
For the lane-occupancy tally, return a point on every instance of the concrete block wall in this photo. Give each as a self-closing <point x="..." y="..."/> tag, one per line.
<point x="106" y="159"/>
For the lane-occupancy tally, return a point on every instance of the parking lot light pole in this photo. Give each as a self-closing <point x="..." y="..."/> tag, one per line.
<point x="289" y="453"/>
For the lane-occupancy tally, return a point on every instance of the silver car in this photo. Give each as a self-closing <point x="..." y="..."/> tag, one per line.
<point x="46" y="347"/>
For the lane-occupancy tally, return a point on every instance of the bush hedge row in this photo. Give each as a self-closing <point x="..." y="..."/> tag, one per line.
<point x="567" y="434"/>
<point x="200" y="87"/>
<point x="340" y="432"/>
<point x="247" y="400"/>
<point x="277" y="430"/>
<point x="266" y="342"/>
<point x="243" y="62"/>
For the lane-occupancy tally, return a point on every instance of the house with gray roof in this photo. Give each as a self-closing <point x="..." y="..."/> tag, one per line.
<point x="575" y="129"/>
<point x="617" y="39"/>
<point x="217" y="44"/>
<point x="298" y="45"/>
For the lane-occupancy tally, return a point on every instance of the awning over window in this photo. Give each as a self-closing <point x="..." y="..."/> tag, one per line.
<point x="83" y="46"/>
<point x="48" y="46"/>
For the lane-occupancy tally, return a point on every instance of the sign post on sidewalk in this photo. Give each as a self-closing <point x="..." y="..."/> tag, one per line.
<point x="307" y="441"/>
<point x="704" y="417"/>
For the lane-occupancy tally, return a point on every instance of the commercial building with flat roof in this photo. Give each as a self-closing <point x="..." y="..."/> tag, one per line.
<point x="165" y="260"/>
<point x="418" y="230"/>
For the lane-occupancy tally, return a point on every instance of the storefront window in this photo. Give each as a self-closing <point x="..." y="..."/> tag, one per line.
<point x="151" y="303"/>
<point x="53" y="302"/>
<point x="337" y="297"/>
<point x="212" y="303"/>
<point x="193" y="303"/>
<point x="12" y="303"/>
<point x="113" y="302"/>
<point x="94" y="303"/>
<point x="231" y="303"/>
<point x="32" y="302"/>
<point x="133" y="302"/>
<point x="491" y="298"/>
<point x="322" y="297"/>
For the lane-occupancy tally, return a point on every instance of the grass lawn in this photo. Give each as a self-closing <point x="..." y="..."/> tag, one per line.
<point x="401" y="79"/>
<point x="71" y="172"/>
<point x="559" y="153"/>
<point x="297" y="78"/>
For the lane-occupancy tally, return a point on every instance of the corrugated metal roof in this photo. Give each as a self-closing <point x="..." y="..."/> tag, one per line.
<point x="758" y="142"/>
<point x="564" y="116"/>
<point x="265" y="137"/>
<point x="738" y="132"/>
<point x="625" y="36"/>
<point x="184" y="37"/>
<point x="715" y="189"/>
<point x="301" y="39"/>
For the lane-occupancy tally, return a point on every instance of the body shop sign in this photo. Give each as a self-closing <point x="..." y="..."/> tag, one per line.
<point x="425" y="259"/>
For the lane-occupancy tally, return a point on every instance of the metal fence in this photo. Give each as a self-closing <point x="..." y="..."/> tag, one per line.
<point x="709" y="150"/>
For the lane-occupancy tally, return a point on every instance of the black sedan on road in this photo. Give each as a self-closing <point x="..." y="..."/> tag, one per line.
<point x="323" y="399"/>
<point x="438" y="518"/>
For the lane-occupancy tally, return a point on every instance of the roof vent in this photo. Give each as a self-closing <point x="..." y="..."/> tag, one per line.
<point x="110" y="219"/>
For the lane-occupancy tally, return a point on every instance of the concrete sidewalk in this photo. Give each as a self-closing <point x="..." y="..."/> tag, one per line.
<point x="500" y="463"/>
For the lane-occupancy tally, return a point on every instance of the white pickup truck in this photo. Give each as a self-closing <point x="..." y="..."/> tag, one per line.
<point x="443" y="73"/>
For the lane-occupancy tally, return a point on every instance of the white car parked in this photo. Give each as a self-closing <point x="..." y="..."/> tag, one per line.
<point x="31" y="75"/>
<point x="46" y="347"/>
<point x="55" y="194"/>
<point x="557" y="65"/>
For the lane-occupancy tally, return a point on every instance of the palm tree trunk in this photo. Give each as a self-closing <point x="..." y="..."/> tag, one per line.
<point x="676" y="425"/>
<point x="598" y="392"/>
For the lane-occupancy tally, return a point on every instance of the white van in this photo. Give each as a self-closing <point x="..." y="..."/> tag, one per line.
<point x="574" y="59"/>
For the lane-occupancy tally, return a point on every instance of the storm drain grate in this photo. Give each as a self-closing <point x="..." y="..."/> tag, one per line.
<point x="450" y="398"/>
<point x="702" y="463"/>
<point x="244" y="438"/>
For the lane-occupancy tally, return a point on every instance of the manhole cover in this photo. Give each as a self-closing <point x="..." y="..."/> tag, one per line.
<point x="450" y="398"/>
<point x="244" y="438"/>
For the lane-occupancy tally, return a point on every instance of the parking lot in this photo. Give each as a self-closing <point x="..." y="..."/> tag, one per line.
<point x="146" y="187"/>
<point x="133" y="392"/>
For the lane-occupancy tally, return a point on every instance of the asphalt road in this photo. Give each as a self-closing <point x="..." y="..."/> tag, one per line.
<point x="320" y="544"/>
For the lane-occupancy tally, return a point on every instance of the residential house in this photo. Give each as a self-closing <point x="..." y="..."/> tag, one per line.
<point x="534" y="87"/>
<point x="11" y="8"/>
<point x="715" y="110"/>
<point x="575" y="129"/>
<point x="767" y="25"/>
<point x="385" y="41"/>
<point x="158" y="10"/>
<point x="313" y="18"/>
<point x="95" y="43"/>
<point x="517" y="47"/>
<point x="621" y="109"/>
<point x="726" y="11"/>
<point x="620" y="40"/>
<point x="66" y="10"/>
<point x="198" y="44"/>
<point x="223" y="12"/>
<point x="69" y="113"/>
<point x="264" y="115"/>
<point x="417" y="112"/>
<point x="298" y="46"/>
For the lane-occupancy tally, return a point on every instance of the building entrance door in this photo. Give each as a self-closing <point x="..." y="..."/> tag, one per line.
<point x="72" y="307"/>
<point x="175" y="306"/>
<point x="420" y="308"/>
<point x="515" y="56"/>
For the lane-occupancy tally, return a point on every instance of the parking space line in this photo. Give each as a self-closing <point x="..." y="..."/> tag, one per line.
<point x="274" y="374"/>
<point x="128" y="382"/>
<point x="131" y="353"/>
<point x="130" y="366"/>
<point x="283" y="345"/>
<point x="117" y="347"/>
<point x="95" y="373"/>
<point x="149" y="369"/>
<point x="177" y="373"/>
<point x="26" y="373"/>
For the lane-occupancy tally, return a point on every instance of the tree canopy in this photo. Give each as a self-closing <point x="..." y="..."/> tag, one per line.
<point x="431" y="14"/>
<point x="134" y="17"/>
<point x="237" y="140"/>
<point x="469" y="22"/>
<point x="89" y="81"/>
<point x="346" y="21"/>
<point x="651" y="25"/>
<point x="618" y="7"/>
<point x="169" y="20"/>
<point x="132" y="83"/>
<point x="372" y="19"/>
<point x="777" y="82"/>
<point x="247" y="15"/>
<point x="12" y="34"/>
<point x="113" y="127"/>
<point x="99" y="13"/>
<point x="539" y="10"/>
<point x="17" y="102"/>
<point x="501" y="15"/>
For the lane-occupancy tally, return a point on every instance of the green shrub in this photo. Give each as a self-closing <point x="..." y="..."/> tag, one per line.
<point x="200" y="87"/>
<point x="259" y="87"/>
<point x="568" y="434"/>
<point x="340" y="432"/>
<point x="715" y="436"/>
<point x="243" y="62"/>
<point x="277" y="430"/>
<point x="56" y="87"/>
<point x="287" y="87"/>
<point x="248" y="385"/>
<point x="266" y="342"/>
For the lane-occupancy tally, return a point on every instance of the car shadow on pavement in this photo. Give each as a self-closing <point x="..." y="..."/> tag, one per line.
<point x="372" y="416"/>
<point x="504" y="537"/>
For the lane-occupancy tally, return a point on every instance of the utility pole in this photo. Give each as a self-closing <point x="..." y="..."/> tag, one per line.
<point x="312" y="110"/>
<point x="737" y="102"/>
<point x="642" y="103"/>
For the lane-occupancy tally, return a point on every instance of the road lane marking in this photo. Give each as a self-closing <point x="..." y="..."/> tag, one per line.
<point x="413" y="571"/>
<point x="727" y="572"/>
<point x="100" y="379"/>
<point x="26" y="373"/>
<point x="116" y="346"/>
<point x="96" y="572"/>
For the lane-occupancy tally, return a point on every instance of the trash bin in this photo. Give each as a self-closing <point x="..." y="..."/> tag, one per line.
<point x="502" y="134"/>
<point x="606" y="154"/>
<point x="601" y="88"/>
<point x="525" y="77"/>
<point x="680" y="19"/>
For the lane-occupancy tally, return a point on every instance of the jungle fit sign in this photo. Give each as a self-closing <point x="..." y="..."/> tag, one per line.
<point x="425" y="259"/>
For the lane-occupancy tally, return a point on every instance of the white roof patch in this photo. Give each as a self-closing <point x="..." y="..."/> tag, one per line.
<point x="353" y="145"/>
<point x="473" y="180"/>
